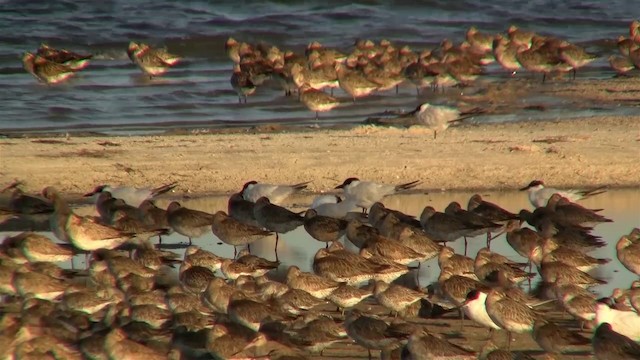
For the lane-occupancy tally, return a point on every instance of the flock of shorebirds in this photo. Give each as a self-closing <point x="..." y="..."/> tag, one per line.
<point x="121" y="307"/>
<point x="370" y="67"/>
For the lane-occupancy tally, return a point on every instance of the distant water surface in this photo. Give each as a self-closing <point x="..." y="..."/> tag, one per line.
<point x="112" y="95"/>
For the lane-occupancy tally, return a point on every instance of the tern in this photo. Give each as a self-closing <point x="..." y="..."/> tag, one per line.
<point x="130" y="195"/>
<point x="252" y="191"/>
<point x="366" y="193"/>
<point x="539" y="194"/>
<point x="437" y="117"/>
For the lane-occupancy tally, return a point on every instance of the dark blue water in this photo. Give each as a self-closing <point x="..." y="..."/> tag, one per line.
<point x="112" y="93"/>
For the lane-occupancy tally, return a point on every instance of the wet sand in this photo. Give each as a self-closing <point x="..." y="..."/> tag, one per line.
<point x="584" y="152"/>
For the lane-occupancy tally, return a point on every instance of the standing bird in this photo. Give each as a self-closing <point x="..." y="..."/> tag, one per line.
<point x="276" y="218"/>
<point x="317" y="100"/>
<point x="188" y="222"/>
<point x="152" y="61"/>
<point x="553" y="338"/>
<point x="436" y="117"/>
<point x="234" y="232"/>
<point x="366" y="193"/>
<point x="324" y="228"/>
<point x="629" y="254"/>
<point x="509" y="314"/>
<point x="242" y="84"/>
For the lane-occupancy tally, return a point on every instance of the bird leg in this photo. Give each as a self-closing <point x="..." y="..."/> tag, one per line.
<point x="465" y="245"/>
<point x="235" y="251"/>
<point x="189" y="241"/>
<point x="249" y="248"/>
<point x="276" y="249"/>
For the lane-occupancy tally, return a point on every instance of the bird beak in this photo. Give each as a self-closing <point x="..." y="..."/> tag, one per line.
<point x="89" y="194"/>
<point x="341" y="186"/>
<point x="524" y="188"/>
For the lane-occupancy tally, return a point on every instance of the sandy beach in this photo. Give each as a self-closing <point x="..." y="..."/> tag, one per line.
<point x="568" y="153"/>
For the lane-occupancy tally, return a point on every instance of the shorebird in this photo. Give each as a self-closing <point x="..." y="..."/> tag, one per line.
<point x="378" y="212"/>
<point x="118" y="346"/>
<point x="276" y="218"/>
<point x="200" y="257"/>
<point x="462" y="265"/>
<point x="152" y="61"/>
<point x="225" y="340"/>
<point x="575" y="56"/>
<point x="234" y="232"/>
<point x="233" y="269"/>
<point x="35" y="247"/>
<point x="188" y="222"/>
<point x="571" y="237"/>
<point x="491" y="351"/>
<point x="412" y="237"/>
<point x="65" y="57"/>
<point x="83" y="232"/>
<point x="436" y="118"/>
<point x="250" y="313"/>
<point x="318" y="286"/>
<point x="394" y="251"/>
<point x="626" y="323"/>
<point x="548" y="251"/>
<point x="346" y="297"/>
<point x="154" y="217"/>
<point x="193" y="278"/>
<point x="324" y="228"/>
<point x="611" y="345"/>
<point x="422" y="345"/>
<point x="375" y="334"/>
<point x="353" y="82"/>
<point x="344" y="266"/>
<point x="317" y="100"/>
<point x="366" y="193"/>
<point x="446" y="227"/>
<point x="131" y="195"/>
<point x="242" y="84"/>
<point x="37" y="285"/>
<point x="44" y="70"/>
<point x="628" y="253"/>
<point x="621" y="64"/>
<point x="554" y="339"/>
<point x="396" y="298"/>
<point x="253" y="190"/>
<point x="563" y="274"/>
<point x="489" y="211"/>
<point x="511" y="315"/>
<point x="472" y="219"/>
<point x="241" y="210"/>
<point x="577" y="301"/>
<point x="217" y="295"/>
<point x="490" y="266"/>
<point x="22" y="203"/>
<point x="571" y="213"/>
<point x="244" y="257"/>
<point x="505" y="52"/>
<point x="539" y="194"/>
<point x="522" y="240"/>
<point x="107" y="205"/>
<point x="358" y="233"/>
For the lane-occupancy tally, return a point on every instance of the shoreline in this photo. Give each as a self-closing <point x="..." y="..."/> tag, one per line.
<point x="583" y="153"/>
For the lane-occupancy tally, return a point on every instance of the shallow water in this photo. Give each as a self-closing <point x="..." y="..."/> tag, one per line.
<point x="112" y="96"/>
<point x="298" y="248"/>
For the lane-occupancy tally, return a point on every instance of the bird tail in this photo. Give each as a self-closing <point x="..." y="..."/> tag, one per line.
<point x="409" y="185"/>
<point x="301" y="186"/>
<point x="163" y="189"/>
<point x="594" y="192"/>
<point x="468" y="114"/>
